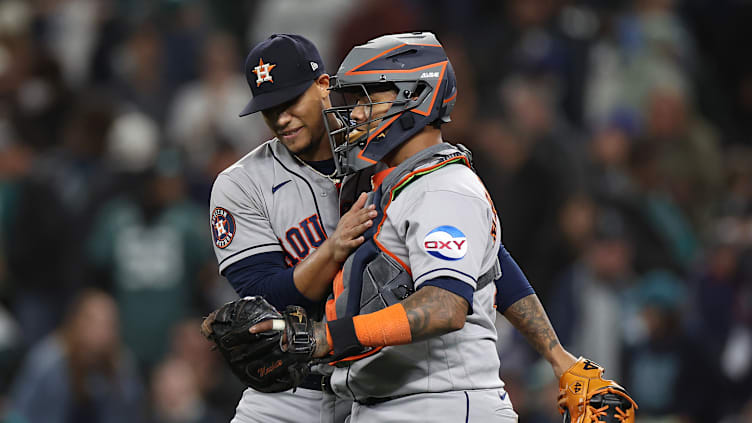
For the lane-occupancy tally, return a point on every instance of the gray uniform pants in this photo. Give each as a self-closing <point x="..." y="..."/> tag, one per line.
<point x="303" y="406"/>
<point x="479" y="406"/>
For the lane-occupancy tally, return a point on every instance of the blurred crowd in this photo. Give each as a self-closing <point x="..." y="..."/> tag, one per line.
<point x="614" y="137"/>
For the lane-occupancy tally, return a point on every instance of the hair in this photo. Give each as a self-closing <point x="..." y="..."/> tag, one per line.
<point x="78" y="367"/>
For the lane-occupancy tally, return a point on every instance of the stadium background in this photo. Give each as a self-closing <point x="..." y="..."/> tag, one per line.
<point x="615" y="138"/>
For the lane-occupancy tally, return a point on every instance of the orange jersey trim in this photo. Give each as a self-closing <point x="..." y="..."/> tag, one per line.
<point x="378" y="178"/>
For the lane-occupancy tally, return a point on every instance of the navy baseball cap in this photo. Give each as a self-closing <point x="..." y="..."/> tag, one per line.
<point x="280" y="69"/>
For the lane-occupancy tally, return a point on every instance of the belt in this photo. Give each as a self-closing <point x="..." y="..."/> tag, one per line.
<point x="312" y="381"/>
<point x="326" y="385"/>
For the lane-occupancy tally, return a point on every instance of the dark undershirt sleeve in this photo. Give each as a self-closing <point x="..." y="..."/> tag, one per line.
<point x="512" y="285"/>
<point x="455" y="286"/>
<point x="267" y="275"/>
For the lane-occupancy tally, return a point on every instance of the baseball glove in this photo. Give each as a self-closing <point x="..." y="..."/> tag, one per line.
<point x="271" y="361"/>
<point x="585" y="397"/>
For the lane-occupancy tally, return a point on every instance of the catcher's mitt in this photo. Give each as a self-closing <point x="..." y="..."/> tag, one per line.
<point x="590" y="398"/>
<point x="258" y="360"/>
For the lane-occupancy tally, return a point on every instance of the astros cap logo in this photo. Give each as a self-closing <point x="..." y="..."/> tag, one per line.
<point x="263" y="72"/>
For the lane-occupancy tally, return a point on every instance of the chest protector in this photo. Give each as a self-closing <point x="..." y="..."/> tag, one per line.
<point x="372" y="277"/>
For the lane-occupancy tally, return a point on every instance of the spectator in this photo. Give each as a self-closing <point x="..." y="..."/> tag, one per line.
<point x="139" y="73"/>
<point x="176" y="396"/>
<point x="218" y="387"/>
<point x="150" y="248"/>
<point x="622" y="174"/>
<point x="573" y="231"/>
<point x="80" y="373"/>
<point x="661" y="367"/>
<point x="204" y="114"/>
<point x="652" y="205"/>
<point x="688" y="154"/>
<point x="590" y="296"/>
<point x="529" y="164"/>
<point x="60" y="192"/>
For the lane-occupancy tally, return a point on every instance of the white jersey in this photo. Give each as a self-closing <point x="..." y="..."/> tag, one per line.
<point x="271" y="201"/>
<point x="441" y="224"/>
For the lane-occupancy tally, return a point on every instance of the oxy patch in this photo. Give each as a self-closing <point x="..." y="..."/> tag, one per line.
<point x="222" y="226"/>
<point x="446" y="242"/>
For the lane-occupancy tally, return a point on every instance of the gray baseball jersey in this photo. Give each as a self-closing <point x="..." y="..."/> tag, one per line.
<point x="270" y="201"/>
<point x="440" y="225"/>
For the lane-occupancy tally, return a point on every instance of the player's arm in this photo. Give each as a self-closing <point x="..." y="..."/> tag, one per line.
<point x="429" y="312"/>
<point x="516" y="300"/>
<point x="313" y="276"/>
<point x="529" y="317"/>
<point x="252" y="260"/>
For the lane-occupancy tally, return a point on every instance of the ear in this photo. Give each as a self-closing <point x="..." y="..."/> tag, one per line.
<point x="323" y="84"/>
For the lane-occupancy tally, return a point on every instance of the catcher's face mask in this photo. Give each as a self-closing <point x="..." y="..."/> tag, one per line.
<point x="415" y="69"/>
<point x="364" y="112"/>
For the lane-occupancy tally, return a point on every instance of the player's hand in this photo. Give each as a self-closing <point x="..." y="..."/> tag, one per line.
<point x="349" y="233"/>
<point x="318" y="332"/>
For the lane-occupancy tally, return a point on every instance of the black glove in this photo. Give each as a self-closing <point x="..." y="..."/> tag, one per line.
<point x="258" y="359"/>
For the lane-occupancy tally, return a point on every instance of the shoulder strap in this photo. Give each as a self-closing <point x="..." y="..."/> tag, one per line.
<point x="423" y="163"/>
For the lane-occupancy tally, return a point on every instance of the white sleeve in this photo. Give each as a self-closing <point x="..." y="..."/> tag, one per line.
<point x="448" y="234"/>
<point x="239" y="222"/>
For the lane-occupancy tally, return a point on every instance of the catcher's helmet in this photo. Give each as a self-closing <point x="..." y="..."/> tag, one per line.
<point x="417" y="68"/>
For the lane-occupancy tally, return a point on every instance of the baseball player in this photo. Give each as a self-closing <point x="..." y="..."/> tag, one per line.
<point x="413" y="317"/>
<point x="274" y="214"/>
<point x="411" y="326"/>
<point x="390" y="76"/>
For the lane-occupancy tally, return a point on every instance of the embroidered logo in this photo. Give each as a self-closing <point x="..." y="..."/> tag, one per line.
<point x="446" y="242"/>
<point x="263" y="72"/>
<point x="278" y="186"/>
<point x="576" y="388"/>
<point x="314" y="66"/>
<point x="222" y="226"/>
<point x="263" y="371"/>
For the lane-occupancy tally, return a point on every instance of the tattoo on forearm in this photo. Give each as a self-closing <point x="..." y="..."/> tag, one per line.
<point x="319" y="334"/>
<point x="529" y="317"/>
<point x="434" y="311"/>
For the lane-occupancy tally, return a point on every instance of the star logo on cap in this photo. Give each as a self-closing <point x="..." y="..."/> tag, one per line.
<point x="263" y="72"/>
